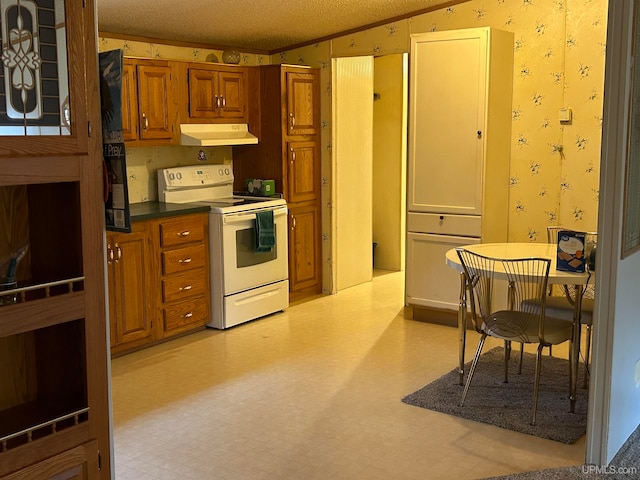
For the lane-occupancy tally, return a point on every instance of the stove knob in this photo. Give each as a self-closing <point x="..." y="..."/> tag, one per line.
<point x="179" y="176"/>
<point x="171" y="176"/>
<point x="220" y="172"/>
<point x="226" y="171"/>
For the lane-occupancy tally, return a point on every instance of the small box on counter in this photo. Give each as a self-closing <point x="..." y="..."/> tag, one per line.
<point x="571" y="251"/>
<point x="263" y="188"/>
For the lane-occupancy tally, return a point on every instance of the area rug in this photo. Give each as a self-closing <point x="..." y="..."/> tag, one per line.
<point x="509" y="405"/>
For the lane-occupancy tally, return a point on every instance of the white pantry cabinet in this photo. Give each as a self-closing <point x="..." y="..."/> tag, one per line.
<point x="459" y="150"/>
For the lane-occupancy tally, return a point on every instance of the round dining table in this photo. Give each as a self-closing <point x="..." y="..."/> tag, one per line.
<point x="556" y="277"/>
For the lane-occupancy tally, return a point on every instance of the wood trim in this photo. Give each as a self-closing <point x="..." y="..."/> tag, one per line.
<point x="39" y="170"/>
<point x="24" y="317"/>
<point x="41" y="449"/>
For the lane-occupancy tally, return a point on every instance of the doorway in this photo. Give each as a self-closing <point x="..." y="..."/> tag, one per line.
<point x="369" y="166"/>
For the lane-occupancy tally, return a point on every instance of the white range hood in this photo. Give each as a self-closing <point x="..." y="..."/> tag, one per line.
<point x="216" y="134"/>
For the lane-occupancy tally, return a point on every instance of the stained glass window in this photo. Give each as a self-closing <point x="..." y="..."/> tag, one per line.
<point x="34" y="87"/>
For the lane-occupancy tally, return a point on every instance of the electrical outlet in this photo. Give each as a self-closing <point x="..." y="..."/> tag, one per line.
<point x="637" y="374"/>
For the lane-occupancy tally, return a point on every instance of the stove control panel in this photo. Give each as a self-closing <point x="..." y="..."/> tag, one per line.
<point x="194" y="176"/>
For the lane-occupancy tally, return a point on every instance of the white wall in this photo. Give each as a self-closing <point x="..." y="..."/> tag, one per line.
<point x="614" y="402"/>
<point x="352" y="160"/>
<point x="389" y="160"/>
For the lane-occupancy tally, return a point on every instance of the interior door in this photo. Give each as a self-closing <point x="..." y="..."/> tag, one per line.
<point x="353" y="169"/>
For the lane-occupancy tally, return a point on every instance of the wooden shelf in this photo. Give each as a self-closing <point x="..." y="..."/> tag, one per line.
<point x="50" y="421"/>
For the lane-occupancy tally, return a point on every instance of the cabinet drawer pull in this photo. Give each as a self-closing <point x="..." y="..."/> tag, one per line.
<point x="186" y="233"/>
<point x="145" y="122"/>
<point x="224" y="102"/>
<point x="188" y="315"/>
<point x="217" y="101"/>
<point x="185" y="288"/>
<point x="186" y="260"/>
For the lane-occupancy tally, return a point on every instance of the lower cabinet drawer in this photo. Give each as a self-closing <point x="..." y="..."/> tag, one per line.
<point x="185" y="315"/>
<point x="184" y="285"/>
<point x="445" y="224"/>
<point x="182" y="259"/>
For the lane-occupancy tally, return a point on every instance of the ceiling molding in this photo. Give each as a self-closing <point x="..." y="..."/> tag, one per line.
<point x="369" y="26"/>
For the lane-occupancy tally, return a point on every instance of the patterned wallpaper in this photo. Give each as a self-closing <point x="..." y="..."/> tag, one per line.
<point x="559" y="54"/>
<point x="558" y="62"/>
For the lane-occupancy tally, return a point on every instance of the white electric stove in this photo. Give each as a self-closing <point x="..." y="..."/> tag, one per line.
<point x="245" y="283"/>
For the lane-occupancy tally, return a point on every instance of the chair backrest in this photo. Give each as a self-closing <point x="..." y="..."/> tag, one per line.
<point x="527" y="279"/>
<point x="552" y="234"/>
<point x="590" y="240"/>
<point x="480" y="272"/>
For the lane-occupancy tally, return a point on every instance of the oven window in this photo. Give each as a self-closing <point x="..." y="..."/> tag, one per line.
<point x="246" y="256"/>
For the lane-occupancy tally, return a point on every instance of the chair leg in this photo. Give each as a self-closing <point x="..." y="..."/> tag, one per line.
<point x="521" y="357"/>
<point x="536" y="384"/>
<point x="473" y="368"/>
<point x="587" y="351"/>
<point x="507" y="356"/>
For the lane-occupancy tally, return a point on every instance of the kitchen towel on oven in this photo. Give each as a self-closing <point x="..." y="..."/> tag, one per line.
<point x="265" y="231"/>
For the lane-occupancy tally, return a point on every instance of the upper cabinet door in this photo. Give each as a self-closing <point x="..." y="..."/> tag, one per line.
<point x="129" y="102"/>
<point x="446" y="128"/>
<point x="232" y="93"/>
<point x="303" y="101"/>
<point x="203" y="93"/>
<point x="215" y="93"/>
<point x="154" y="104"/>
<point x="43" y="107"/>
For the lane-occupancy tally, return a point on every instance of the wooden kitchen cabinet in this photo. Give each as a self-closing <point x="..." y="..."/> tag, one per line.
<point x="287" y="123"/>
<point x="158" y="280"/>
<point x="54" y="400"/>
<point x="75" y="464"/>
<point x="149" y="102"/>
<point x="130" y="286"/>
<point x="303" y="170"/>
<point x="216" y="94"/>
<point x="304" y="247"/>
<point x="129" y="101"/>
<point x="184" y="259"/>
<point x="302" y="102"/>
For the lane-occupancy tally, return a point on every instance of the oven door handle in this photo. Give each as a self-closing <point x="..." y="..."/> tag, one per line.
<point x="244" y="216"/>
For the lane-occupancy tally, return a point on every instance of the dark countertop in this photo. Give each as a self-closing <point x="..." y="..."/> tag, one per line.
<point x="150" y="210"/>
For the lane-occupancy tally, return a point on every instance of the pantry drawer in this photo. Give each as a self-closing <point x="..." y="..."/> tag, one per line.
<point x="182" y="259"/>
<point x="184" y="285"/>
<point x="186" y="315"/>
<point x="445" y="224"/>
<point x="182" y="230"/>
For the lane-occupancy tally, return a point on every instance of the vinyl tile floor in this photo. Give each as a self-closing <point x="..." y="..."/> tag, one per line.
<point x="310" y="393"/>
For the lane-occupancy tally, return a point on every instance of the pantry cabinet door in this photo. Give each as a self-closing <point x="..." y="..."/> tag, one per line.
<point x="303" y="103"/>
<point x="303" y="171"/>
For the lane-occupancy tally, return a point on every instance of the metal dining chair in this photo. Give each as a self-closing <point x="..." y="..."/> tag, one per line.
<point x="521" y="322"/>
<point x="562" y="306"/>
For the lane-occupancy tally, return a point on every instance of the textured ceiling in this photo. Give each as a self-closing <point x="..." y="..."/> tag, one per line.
<point x="249" y="24"/>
